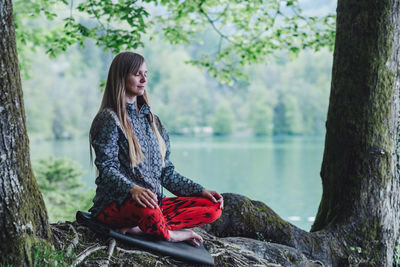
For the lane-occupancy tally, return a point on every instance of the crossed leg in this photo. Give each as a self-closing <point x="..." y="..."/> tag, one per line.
<point x="177" y="213"/>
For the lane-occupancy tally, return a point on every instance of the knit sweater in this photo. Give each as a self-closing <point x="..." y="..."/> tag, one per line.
<point x="116" y="176"/>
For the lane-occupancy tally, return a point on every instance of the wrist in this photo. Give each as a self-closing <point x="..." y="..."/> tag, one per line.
<point x="133" y="188"/>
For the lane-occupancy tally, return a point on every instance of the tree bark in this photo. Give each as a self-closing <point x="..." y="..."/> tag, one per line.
<point x="358" y="217"/>
<point x="360" y="200"/>
<point x="23" y="216"/>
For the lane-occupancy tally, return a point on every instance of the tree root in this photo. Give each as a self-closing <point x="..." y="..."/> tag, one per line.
<point x="242" y="224"/>
<point x="87" y="253"/>
<point x="234" y="257"/>
<point x="74" y="241"/>
<point x="111" y="248"/>
<point x="317" y="262"/>
<point x="58" y="237"/>
<point x="253" y="219"/>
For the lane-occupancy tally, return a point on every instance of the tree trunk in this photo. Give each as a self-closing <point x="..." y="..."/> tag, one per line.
<point x="360" y="200"/>
<point x="23" y="216"/>
<point x="358" y="218"/>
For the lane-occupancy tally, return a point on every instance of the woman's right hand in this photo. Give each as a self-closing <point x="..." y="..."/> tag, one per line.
<point x="144" y="197"/>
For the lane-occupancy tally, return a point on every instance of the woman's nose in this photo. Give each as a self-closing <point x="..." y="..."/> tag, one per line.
<point x="143" y="79"/>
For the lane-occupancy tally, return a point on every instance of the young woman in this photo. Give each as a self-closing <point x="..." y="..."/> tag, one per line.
<point x="132" y="157"/>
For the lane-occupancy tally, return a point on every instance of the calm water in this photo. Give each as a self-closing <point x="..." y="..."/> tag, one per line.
<point x="282" y="172"/>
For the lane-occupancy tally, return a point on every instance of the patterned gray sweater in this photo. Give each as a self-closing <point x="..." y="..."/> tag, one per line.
<point x="116" y="176"/>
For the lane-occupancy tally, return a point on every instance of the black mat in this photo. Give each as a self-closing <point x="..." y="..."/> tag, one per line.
<point x="180" y="251"/>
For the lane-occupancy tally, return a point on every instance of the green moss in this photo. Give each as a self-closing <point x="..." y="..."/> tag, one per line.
<point x="258" y="215"/>
<point x="335" y="247"/>
<point x="359" y="117"/>
<point x="232" y="248"/>
<point x="260" y="236"/>
<point x="250" y="218"/>
<point x="272" y="218"/>
<point x="290" y="257"/>
<point x="45" y="255"/>
<point x="315" y="243"/>
<point x="19" y="250"/>
<point x="396" y="253"/>
<point x="365" y="246"/>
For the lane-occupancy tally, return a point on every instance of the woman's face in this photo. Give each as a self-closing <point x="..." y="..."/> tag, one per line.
<point x="135" y="83"/>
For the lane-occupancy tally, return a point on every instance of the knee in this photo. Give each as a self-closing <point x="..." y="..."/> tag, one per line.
<point x="213" y="209"/>
<point x="213" y="213"/>
<point x="206" y="202"/>
<point x="218" y="213"/>
<point x="152" y="222"/>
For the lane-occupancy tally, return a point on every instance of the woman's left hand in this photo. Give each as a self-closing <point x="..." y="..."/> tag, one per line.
<point x="214" y="196"/>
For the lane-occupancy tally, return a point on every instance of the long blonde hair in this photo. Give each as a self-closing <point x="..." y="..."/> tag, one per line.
<point x="114" y="98"/>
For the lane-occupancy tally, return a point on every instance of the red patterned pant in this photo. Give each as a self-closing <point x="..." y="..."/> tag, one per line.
<point x="176" y="213"/>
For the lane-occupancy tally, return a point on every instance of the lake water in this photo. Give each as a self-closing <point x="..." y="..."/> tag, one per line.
<point x="282" y="172"/>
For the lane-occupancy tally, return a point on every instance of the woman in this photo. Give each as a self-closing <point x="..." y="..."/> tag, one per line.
<point x="132" y="157"/>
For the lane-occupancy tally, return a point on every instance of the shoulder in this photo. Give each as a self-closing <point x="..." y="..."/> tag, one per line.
<point x="107" y="114"/>
<point x="106" y="119"/>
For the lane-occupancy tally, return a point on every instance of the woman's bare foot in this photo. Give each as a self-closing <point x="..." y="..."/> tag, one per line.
<point x="132" y="230"/>
<point x="185" y="235"/>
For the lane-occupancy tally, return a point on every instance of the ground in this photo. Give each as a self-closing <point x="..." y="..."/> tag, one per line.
<point x="81" y="246"/>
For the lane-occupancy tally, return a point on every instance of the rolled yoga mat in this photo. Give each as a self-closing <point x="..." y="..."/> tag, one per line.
<point x="180" y="250"/>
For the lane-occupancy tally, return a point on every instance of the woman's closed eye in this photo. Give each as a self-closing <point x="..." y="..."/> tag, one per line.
<point x="139" y="74"/>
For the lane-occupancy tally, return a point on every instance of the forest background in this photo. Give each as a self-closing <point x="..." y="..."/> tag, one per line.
<point x="288" y="95"/>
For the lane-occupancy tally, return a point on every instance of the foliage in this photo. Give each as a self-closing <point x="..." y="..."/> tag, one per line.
<point x="223" y="120"/>
<point x="287" y="116"/>
<point x="179" y="93"/>
<point x="47" y="256"/>
<point x="182" y="95"/>
<point x="249" y="31"/>
<point x="59" y="181"/>
<point x="396" y="254"/>
<point x="30" y="29"/>
<point x="261" y="111"/>
<point x="261" y="119"/>
<point x="57" y="85"/>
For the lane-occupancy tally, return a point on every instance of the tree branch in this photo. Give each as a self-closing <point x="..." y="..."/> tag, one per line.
<point x="215" y="27"/>
<point x="97" y="17"/>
